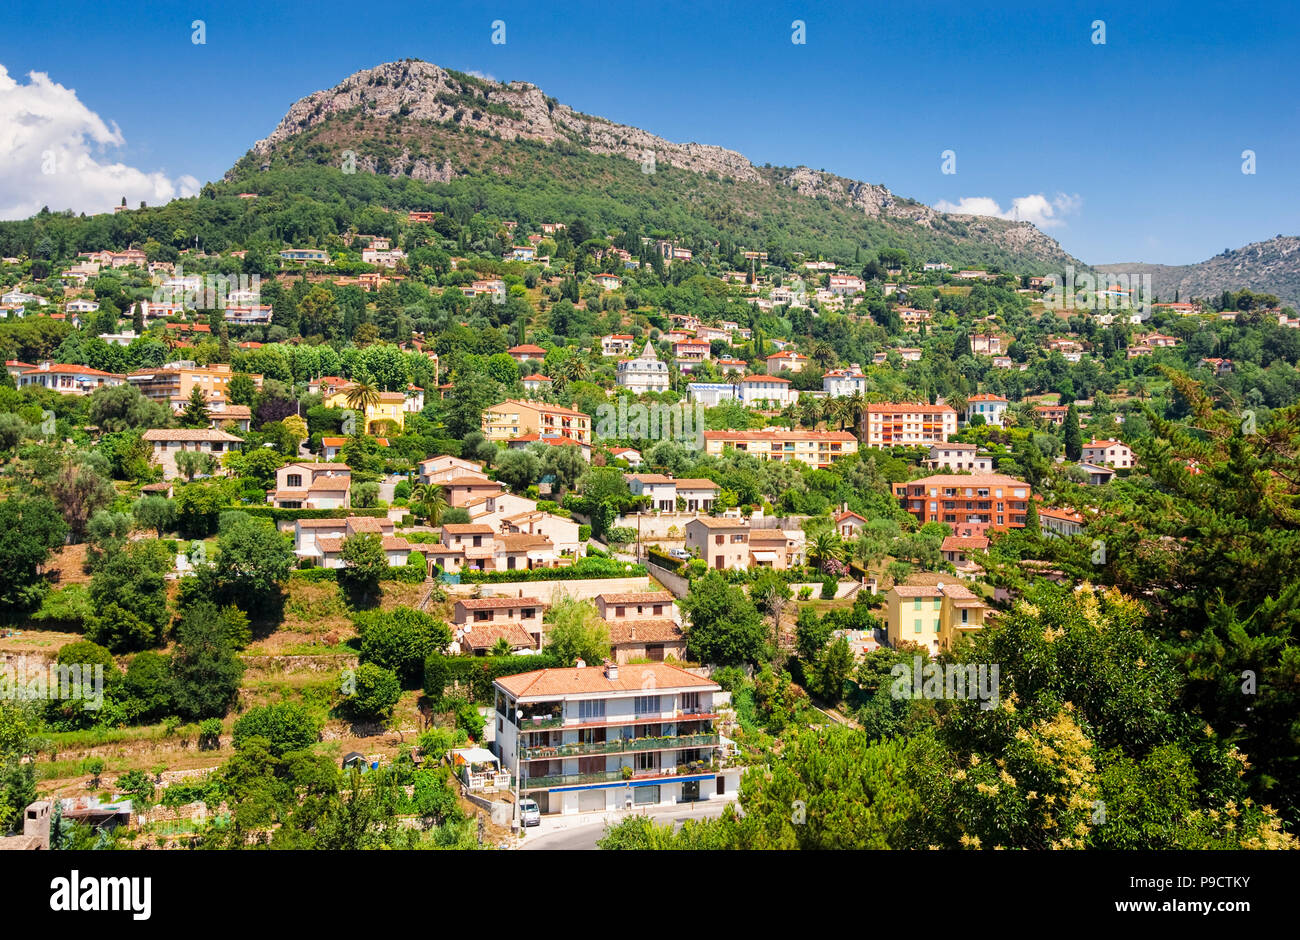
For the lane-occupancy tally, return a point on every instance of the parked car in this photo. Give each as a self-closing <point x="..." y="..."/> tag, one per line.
<point x="681" y="553"/>
<point x="530" y="813"/>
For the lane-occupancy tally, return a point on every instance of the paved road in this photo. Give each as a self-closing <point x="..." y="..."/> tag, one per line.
<point x="583" y="834"/>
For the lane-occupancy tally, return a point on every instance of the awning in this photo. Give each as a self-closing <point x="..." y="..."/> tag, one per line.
<point x="764" y="556"/>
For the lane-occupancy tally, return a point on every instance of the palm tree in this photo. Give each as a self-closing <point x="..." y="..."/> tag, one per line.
<point x="826" y="547"/>
<point x="428" y="502"/>
<point x="575" y="368"/>
<point x="834" y="409"/>
<point x="856" y="405"/>
<point x="823" y="354"/>
<point x="363" y="395"/>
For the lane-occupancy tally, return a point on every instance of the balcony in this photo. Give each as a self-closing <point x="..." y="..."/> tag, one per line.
<point x="619" y="746"/>
<point x="550" y="723"/>
<point x="616" y="776"/>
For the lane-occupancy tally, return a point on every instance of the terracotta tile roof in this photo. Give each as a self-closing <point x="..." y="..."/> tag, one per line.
<point x="956" y="543"/>
<point x="467" y="479"/>
<point x="486" y="635"/>
<point x="648" y="477"/>
<point x="638" y="597"/>
<point x="522" y="542"/>
<point x="188" y="434"/>
<point x="696" y="484"/>
<point x="498" y="603"/>
<point x="591" y="680"/>
<point x="966" y="479"/>
<point x="622" y="632"/>
<point x="466" y="528"/>
<point x="893" y="408"/>
<point x="950" y="589"/>
<point x="844" y="436"/>
<point x="719" y="522"/>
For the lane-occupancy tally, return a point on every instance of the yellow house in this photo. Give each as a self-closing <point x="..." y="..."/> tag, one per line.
<point x="932" y="615"/>
<point x="390" y="407"/>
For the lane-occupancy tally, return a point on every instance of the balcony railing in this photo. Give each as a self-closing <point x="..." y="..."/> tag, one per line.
<point x="616" y="776"/>
<point x="551" y="723"/>
<point x="618" y="746"/>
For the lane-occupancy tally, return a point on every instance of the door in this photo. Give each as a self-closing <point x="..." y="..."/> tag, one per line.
<point x="690" y="791"/>
<point x="717" y="562"/>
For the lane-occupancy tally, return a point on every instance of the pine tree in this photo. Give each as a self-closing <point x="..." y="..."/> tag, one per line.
<point x="1032" y="526"/>
<point x="195" y="414"/>
<point x="1073" y="437"/>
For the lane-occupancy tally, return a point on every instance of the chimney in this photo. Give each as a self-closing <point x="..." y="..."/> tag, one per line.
<point x="611" y="670"/>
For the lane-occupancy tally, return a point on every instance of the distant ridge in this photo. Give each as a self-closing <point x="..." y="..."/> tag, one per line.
<point x="411" y="119"/>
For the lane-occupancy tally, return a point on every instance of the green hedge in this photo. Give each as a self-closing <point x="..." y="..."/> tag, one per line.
<point x="290" y="515"/>
<point x="664" y="560"/>
<point x="407" y="574"/>
<point x="477" y="672"/>
<point x="584" y="568"/>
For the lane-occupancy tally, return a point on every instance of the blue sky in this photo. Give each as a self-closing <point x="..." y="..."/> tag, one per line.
<point x="1138" y="142"/>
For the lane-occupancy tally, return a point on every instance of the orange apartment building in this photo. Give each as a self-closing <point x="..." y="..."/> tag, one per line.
<point x="972" y="504"/>
<point x="173" y="384"/>
<point x="513" y="419"/>
<point x="814" y="448"/>
<point x="889" y="424"/>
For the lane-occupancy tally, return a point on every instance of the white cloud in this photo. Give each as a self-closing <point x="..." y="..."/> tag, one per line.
<point x="1035" y="208"/>
<point x="53" y="153"/>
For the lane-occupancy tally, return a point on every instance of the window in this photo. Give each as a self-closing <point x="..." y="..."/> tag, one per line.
<point x="916" y="625"/>
<point x="916" y="603"/>
<point x="647" y="704"/>
<point x="690" y="701"/>
<point x="293" y="480"/>
<point x="591" y="709"/>
<point x="717" y="540"/>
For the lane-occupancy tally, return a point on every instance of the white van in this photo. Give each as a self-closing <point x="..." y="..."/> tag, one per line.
<point x="529" y="813"/>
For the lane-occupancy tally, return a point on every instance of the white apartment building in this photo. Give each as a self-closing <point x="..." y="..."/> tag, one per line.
<point x="608" y="738"/>
<point x="646" y="373"/>
<point x="1108" y="454"/>
<point x="769" y="391"/>
<point x="841" y="383"/>
<point x="957" y="457"/>
<point x="990" y="407"/>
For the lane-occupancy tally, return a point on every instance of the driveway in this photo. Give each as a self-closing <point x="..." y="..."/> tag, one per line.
<point x="581" y="832"/>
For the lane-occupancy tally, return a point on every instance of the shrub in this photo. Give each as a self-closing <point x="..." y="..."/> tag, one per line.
<point x="584" y="532"/>
<point x="401" y="640"/>
<point x="286" y="726"/>
<point x="377" y="692"/>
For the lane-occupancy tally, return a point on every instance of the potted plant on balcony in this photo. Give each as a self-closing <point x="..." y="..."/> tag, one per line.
<point x="626" y="771"/>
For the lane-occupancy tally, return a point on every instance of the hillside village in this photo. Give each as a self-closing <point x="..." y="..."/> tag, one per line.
<point x="594" y="519"/>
